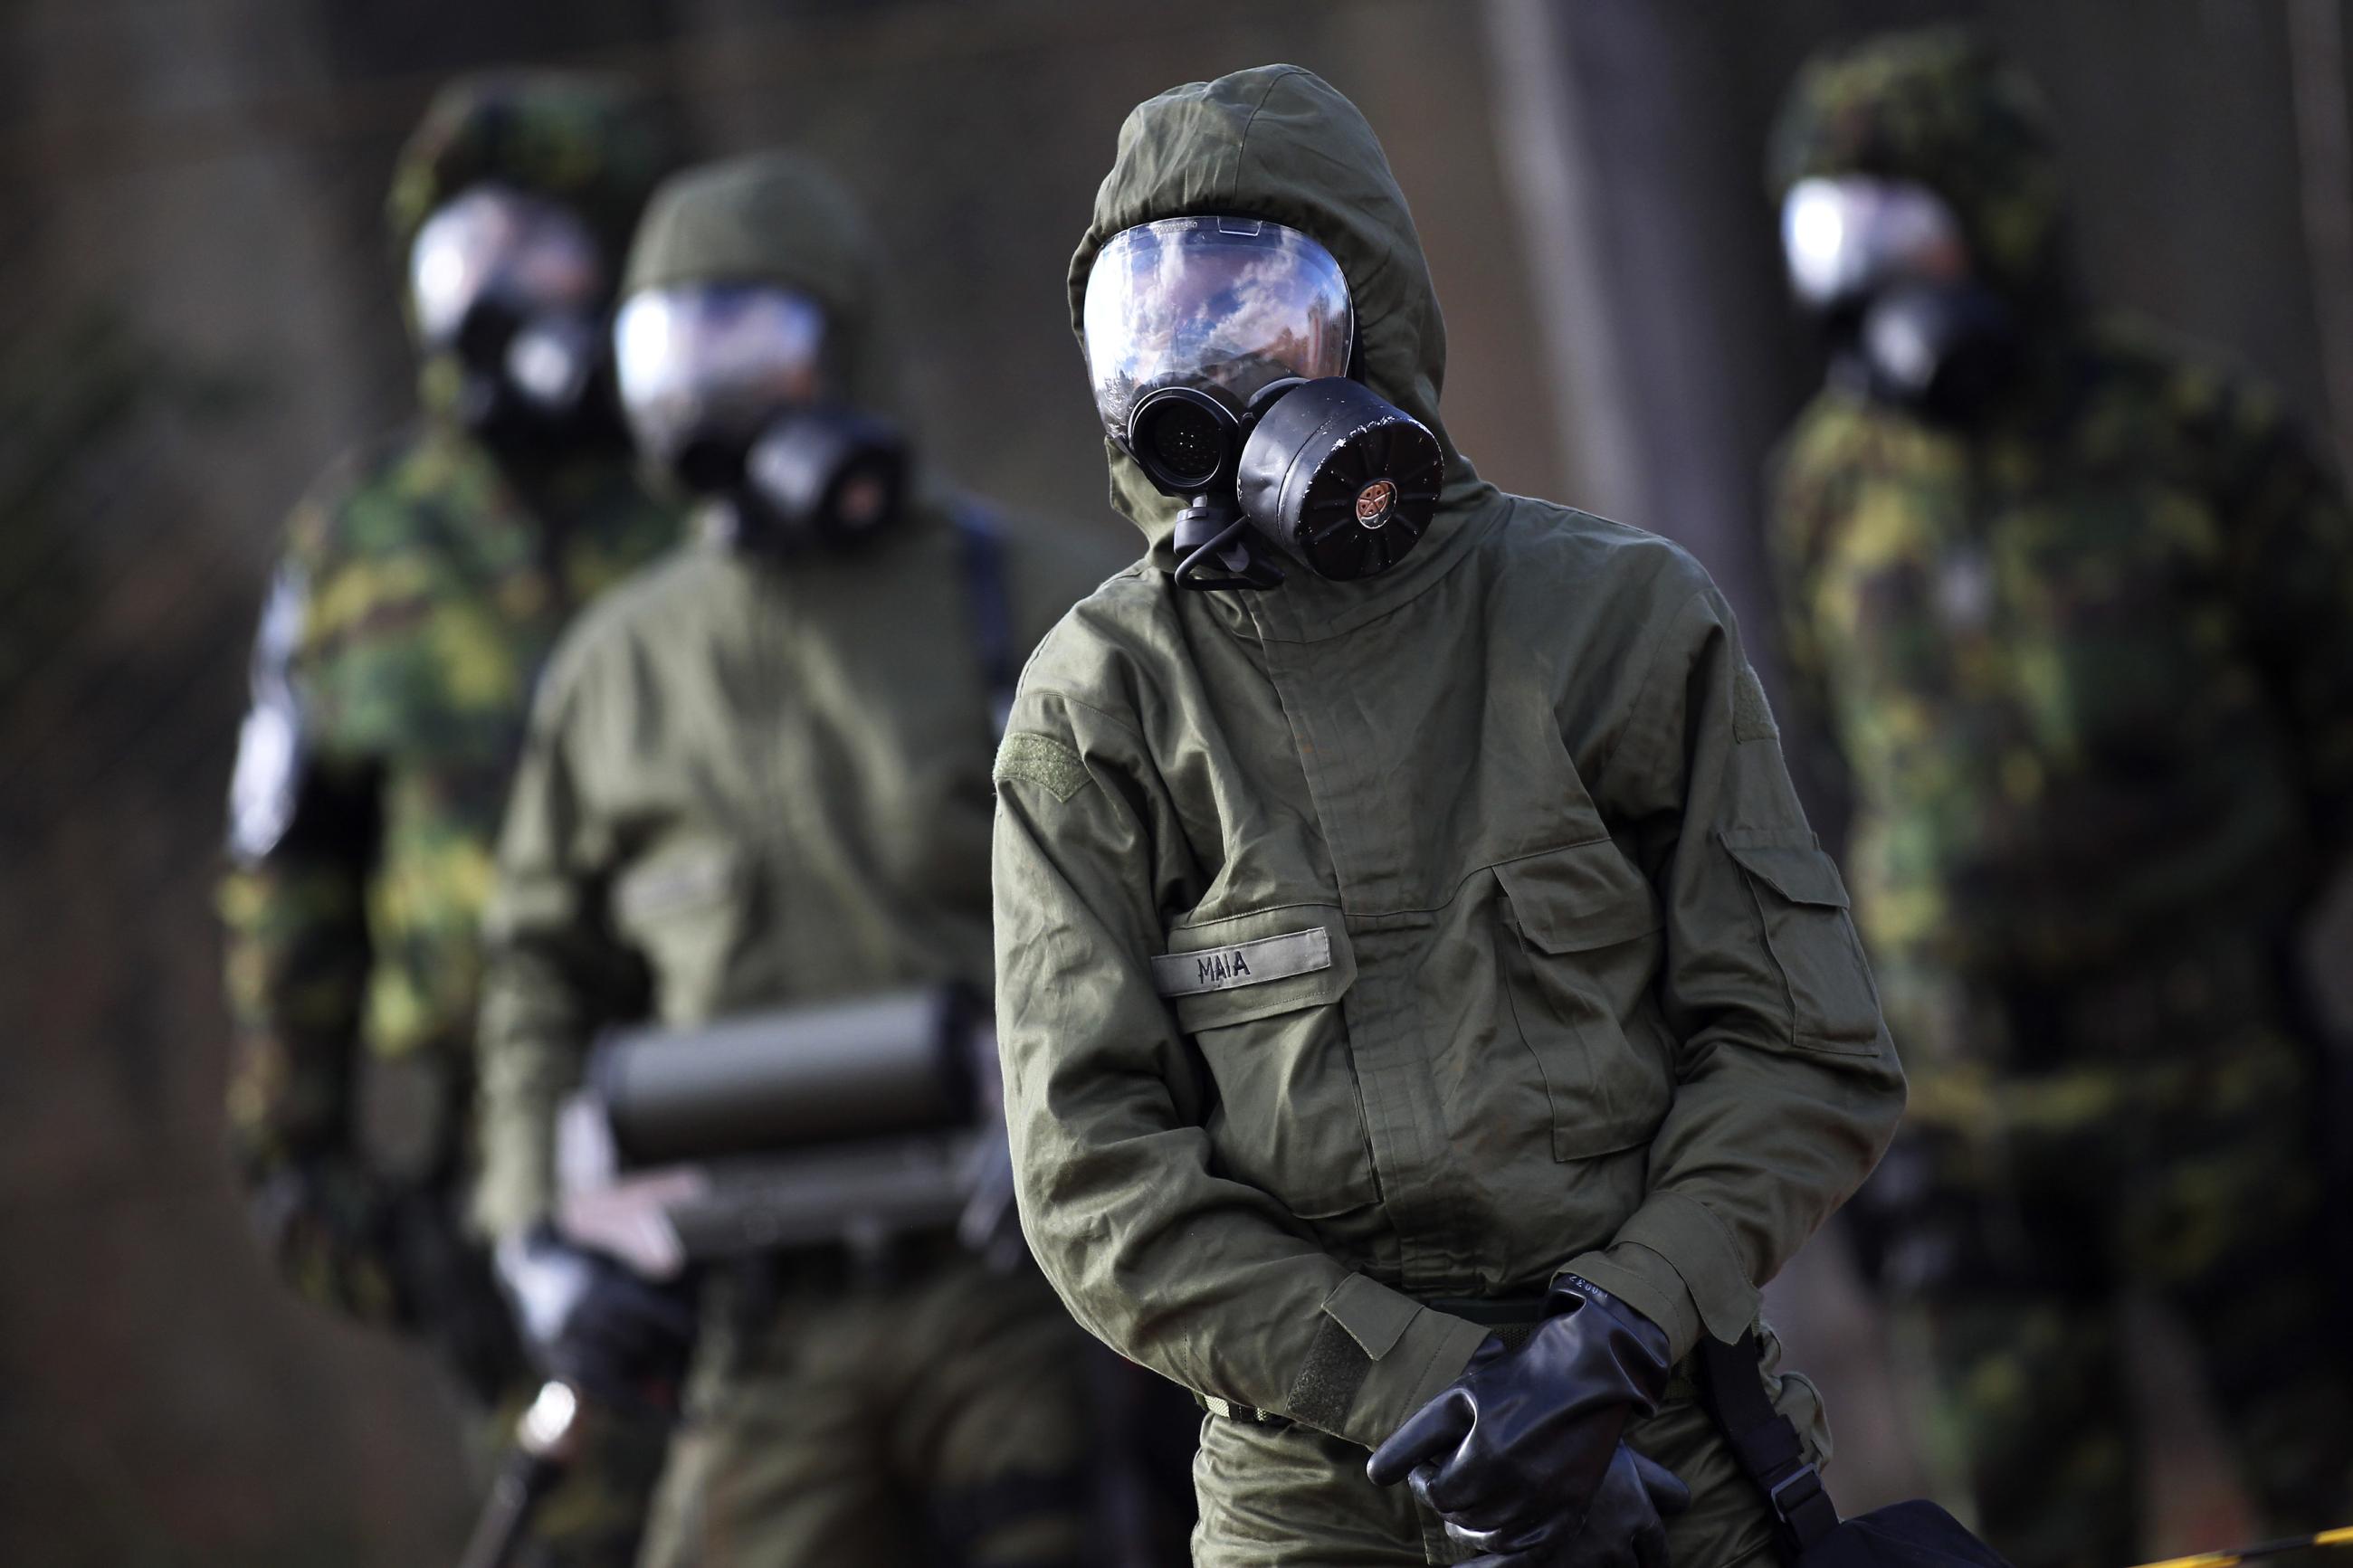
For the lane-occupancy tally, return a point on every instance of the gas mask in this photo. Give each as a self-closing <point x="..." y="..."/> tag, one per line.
<point x="1883" y="267"/>
<point x="722" y="387"/>
<point x="512" y="287"/>
<point x="1219" y="351"/>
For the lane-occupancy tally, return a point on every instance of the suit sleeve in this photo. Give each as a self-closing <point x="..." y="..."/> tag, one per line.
<point x="303" y="834"/>
<point x="553" y="973"/>
<point x="1787" y="1088"/>
<point x="1802" y="499"/>
<point x="1206" y="1280"/>
<point x="2293" y="539"/>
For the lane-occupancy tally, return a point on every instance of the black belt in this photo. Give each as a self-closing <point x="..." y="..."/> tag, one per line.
<point x="1502" y="1313"/>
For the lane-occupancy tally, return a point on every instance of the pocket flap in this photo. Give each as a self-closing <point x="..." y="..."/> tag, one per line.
<point x="1798" y="872"/>
<point x="1583" y="897"/>
<point x="1255" y="965"/>
<point x="1375" y="1316"/>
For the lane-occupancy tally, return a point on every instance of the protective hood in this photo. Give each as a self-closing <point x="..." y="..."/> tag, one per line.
<point x="1942" y="107"/>
<point x="588" y="140"/>
<point x="779" y="219"/>
<point x="585" y="139"/>
<point x="1281" y="143"/>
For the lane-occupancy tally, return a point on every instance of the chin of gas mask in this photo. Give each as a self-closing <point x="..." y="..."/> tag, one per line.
<point x="1944" y="351"/>
<point x="1341" y="478"/>
<point x="813" y="478"/>
<point x="534" y="379"/>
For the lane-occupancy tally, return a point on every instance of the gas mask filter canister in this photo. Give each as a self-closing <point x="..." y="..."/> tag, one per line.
<point x="722" y="385"/>
<point x="1219" y="348"/>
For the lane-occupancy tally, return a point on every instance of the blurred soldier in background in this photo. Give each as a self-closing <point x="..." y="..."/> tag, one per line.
<point x="758" y="775"/>
<point x="2077" y="609"/>
<point x="425" y="580"/>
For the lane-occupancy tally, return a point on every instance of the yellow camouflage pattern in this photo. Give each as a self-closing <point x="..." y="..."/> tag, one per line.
<point x="2106" y="644"/>
<point x="2089" y="665"/>
<point x="437" y="583"/>
<point x="2103" y="641"/>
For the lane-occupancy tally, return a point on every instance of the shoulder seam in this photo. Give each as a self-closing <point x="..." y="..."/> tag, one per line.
<point x="1113" y="720"/>
<point x="1650" y="660"/>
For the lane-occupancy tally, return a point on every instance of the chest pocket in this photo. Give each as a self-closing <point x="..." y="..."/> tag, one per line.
<point x="688" y="910"/>
<point x="1258" y="996"/>
<point x="1579" y="962"/>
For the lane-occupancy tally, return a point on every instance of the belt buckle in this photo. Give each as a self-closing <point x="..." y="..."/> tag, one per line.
<point x="1228" y="1410"/>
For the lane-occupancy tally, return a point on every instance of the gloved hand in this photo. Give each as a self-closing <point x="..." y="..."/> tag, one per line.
<point x="326" y="1225"/>
<point x="620" y="1340"/>
<point x="1623" y="1527"/>
<point x="1520" y="1449"/>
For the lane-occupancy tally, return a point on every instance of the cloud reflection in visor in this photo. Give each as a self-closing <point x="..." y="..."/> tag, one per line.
<point x="1846" y="236"/>
<point x="715" y="361"/>
<point x="1223" y="304"/>
<point x="491" y="243"/>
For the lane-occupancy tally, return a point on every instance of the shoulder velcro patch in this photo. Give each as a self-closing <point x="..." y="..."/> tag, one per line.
<point x="1752" y="716"/>
<point x="1043" y="761"/>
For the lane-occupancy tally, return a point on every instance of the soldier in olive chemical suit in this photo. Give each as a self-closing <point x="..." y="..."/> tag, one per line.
<point x="424" y="581"/>
<point x="1425" y="1012"/>
<point x="2075" y="606"/>
<point x="759" y="775"/>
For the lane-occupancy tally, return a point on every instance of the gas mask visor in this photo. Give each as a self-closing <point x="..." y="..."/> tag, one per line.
<point x="1847" y="237"/>
<point x="722" y="385"/>
<point x="512" y="284"/>
<point x="1884" y="268"/>
<point x="1224" y="306"/>
<point x="703" y="366"/>
<point x="1218" y="350"/>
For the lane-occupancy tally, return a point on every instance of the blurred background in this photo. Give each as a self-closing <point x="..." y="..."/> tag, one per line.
<point x="197" y="309"/>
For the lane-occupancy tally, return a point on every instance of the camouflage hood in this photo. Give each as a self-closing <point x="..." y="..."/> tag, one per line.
<point x="1941" y="107"/>
<point x="1281" y="143"/>
<point x="588" y="140"/>
<point x="779" y="219"/>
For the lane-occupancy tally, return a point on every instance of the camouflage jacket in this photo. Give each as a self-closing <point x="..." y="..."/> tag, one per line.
<point x="2104" y="643"/>
<point x="432" y="581"/>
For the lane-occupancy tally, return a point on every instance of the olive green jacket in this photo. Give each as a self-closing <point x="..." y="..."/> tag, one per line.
<point x="1366" y="945"/>
<point x="752" y="782"/>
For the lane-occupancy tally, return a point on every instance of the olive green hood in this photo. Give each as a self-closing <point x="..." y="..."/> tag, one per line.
<point x="1281" y="143"/>
<point x="782" y="219"/>
<point x="1940" y="106"/>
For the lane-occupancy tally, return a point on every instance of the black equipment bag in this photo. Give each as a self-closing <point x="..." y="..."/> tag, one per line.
<point x="1916" y="1534"/>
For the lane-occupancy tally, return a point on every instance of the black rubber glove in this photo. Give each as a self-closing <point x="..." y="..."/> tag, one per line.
<point x="622" y="1341"/>
<point x="1518" y="1449"/>
<point x="1624" y="1527"/>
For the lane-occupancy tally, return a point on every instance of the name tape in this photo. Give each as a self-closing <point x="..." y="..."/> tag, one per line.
<point x="1243" y="963"/>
